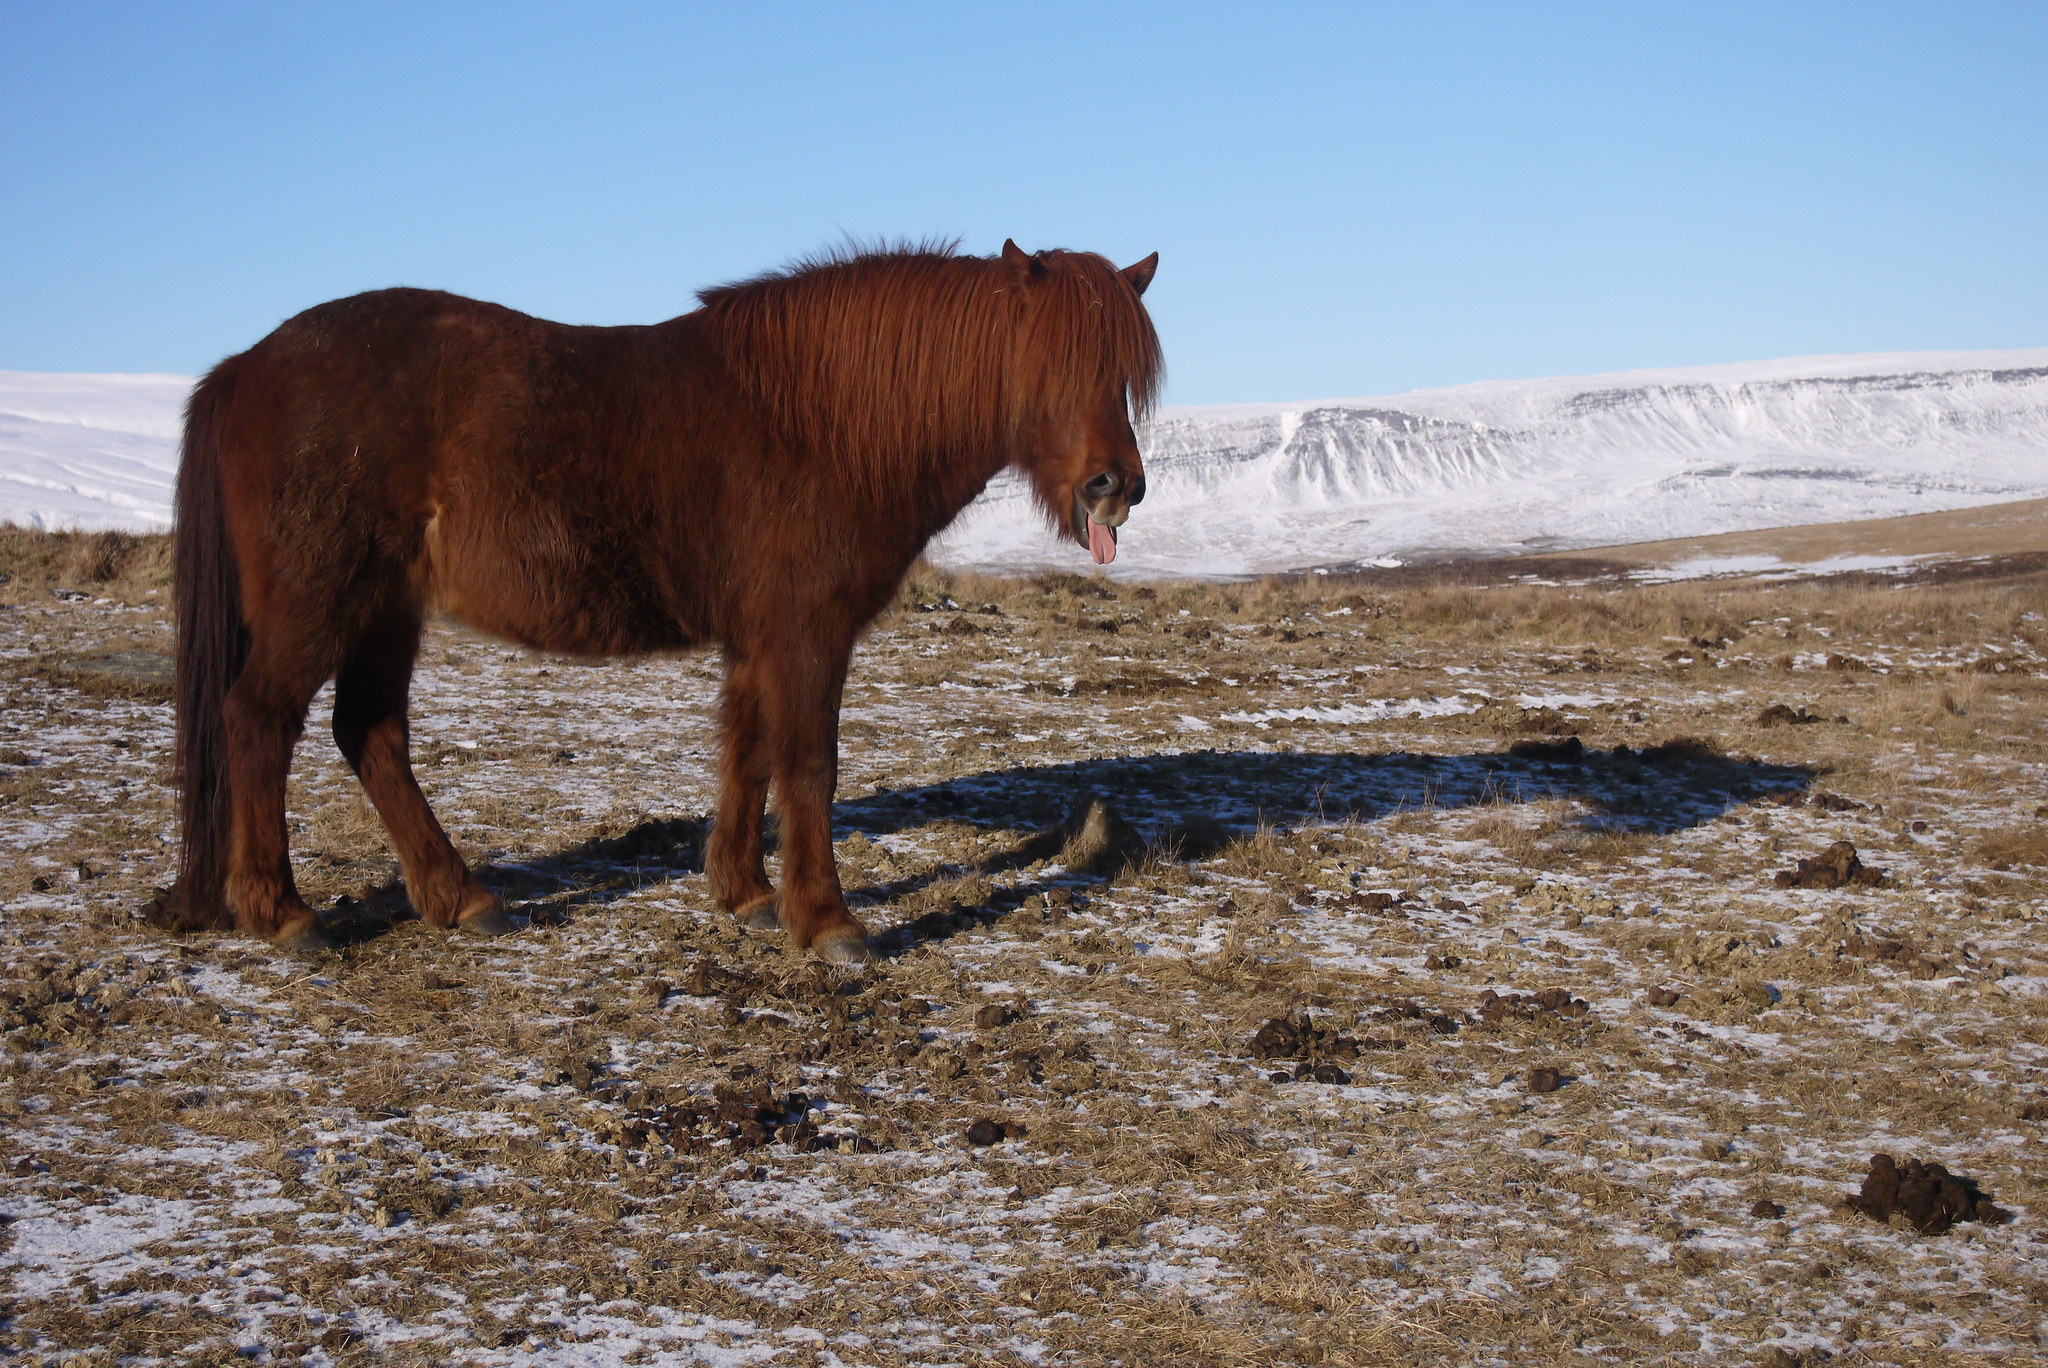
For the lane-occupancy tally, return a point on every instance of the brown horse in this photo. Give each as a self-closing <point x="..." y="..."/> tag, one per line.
<point x="757" y="474"/>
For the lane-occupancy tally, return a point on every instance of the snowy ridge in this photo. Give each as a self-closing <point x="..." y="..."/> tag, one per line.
<point x="89" y="451"/>
<point x="1530" y="465"/>
<point x="1498" y="467"/>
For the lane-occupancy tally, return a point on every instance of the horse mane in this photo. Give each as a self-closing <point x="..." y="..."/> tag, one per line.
<point x="885" y="357"/>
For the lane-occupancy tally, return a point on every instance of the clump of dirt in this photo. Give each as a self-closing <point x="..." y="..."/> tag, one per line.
<point x="1681" y="750"/>
<point x="676" y="843"/>
<point x="1561" y="750"/>
<point x="1836" y="867"/>
<point x="1512" y="719"/>
<point x="1782" y="715"/>
<point x="1926" y="1196"/>
<point x="1498" y="1007"/>
<point x="987" y="1132"/>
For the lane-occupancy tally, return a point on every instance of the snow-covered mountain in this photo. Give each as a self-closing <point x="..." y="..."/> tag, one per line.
<point x="1512" y="466"/>
<point x="1497" y="467"/>
<point x="89" y="451"/>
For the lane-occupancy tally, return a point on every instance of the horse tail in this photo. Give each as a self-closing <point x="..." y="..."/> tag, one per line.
<point x="212" y="645"/>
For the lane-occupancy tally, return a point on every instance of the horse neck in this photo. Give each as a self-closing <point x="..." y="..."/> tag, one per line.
<point x="947" y="484"/>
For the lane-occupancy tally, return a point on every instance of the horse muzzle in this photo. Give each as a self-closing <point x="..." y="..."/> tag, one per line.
<point x="1101" y="505"/>
<point x="1098" y="536"/>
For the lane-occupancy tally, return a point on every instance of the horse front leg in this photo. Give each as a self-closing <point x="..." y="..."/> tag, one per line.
<point x="739" y="879"/>
<point x="803" y="698"/>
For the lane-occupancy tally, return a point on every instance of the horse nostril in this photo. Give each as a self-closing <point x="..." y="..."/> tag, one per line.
<point x="1137" y="491"/>
<point x="1102" y="484"/>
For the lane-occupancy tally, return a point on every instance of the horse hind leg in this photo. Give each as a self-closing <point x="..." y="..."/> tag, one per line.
<point x="739" y="879"/>
<point x="370" y="696"/>
<point x="264" y="714"/>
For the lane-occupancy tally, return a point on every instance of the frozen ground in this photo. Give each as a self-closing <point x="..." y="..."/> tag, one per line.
<point x="1502" y="467"/>
<point x="633" y="1134"/>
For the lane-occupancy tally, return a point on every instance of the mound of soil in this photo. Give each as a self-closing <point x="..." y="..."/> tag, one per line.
<point x="989" y="1132"/>
<point x="1926" y="1196"/>
<point x="1498" y="1007"/>
<point x="1098" y="839"/>
<point x="1681" y="750"/>
<point x="1835" y="867"/>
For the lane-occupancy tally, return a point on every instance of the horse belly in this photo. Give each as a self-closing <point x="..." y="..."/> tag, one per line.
<point x="533" y="581"/>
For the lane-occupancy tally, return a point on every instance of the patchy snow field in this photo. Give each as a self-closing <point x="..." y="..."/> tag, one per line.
<point x="1454" y="1015"/>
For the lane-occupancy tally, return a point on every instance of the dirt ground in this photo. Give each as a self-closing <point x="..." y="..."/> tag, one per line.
<point x="1458" y="973"/>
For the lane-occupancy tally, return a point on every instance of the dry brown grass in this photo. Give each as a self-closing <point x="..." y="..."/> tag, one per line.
<point x="1165" y="1201"/>
<point x="2014" y="845"/>
<point x="119" y="564"/>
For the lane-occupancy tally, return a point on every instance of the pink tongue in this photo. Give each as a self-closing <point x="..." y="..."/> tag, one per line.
<point x="1101" y="542"/>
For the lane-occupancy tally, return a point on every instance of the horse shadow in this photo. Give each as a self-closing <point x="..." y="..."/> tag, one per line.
<point x="1186" y="805"/>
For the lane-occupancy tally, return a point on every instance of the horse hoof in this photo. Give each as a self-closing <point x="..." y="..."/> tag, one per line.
<point x="308" y="944"/>
<point x="492" y="921"/>
<point x="847" y="948"/>
<point x="761" y="916"/>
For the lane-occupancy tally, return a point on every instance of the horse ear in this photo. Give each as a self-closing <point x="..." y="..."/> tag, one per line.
<point x="1139" y="273"/>
<point x="1022" y="265"/>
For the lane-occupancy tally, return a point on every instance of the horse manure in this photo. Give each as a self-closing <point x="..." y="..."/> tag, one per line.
<point x="1545" y="1080"/>
<point x="1925" y="1196"/>
<point x="1835" y="867"/>
<point x="1495" y="1007"/>
<point x="1298" y="1037"/>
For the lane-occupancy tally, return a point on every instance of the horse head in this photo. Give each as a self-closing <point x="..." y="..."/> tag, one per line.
<point x="1083" y="455"/>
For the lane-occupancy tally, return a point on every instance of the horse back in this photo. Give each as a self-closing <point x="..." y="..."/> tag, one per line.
<point x="409" y="446"/>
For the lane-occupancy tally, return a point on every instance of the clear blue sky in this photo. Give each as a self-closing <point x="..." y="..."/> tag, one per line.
<point x="1347" y="199"/>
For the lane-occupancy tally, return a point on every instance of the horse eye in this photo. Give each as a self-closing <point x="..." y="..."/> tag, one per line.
<point x="1102" y="484"/>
